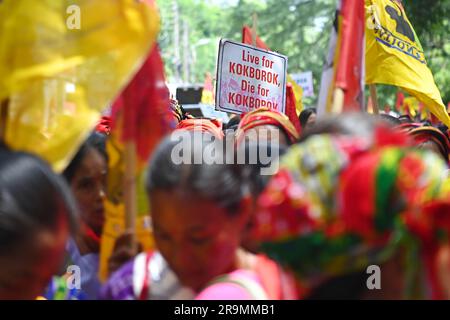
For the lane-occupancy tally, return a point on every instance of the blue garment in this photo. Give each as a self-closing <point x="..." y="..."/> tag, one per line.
<point x="89" y="266"/>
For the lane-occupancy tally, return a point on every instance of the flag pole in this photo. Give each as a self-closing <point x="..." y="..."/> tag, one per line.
<point x="129" y="185"/>
<point x="254" y="28"/>
<point x="4" y="107"/>
<point x="338" y="100"/>
<point x="373" y="95"/>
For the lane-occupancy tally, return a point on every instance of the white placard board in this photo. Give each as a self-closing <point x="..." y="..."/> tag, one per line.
<point x="305" y="80"/>
<point x="249" y="78"/>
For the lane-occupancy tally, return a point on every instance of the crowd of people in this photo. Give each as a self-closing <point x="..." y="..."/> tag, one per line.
<point x="347" y="193"/>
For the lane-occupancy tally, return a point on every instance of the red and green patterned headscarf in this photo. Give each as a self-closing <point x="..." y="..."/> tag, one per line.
<point x="339" y="204"/>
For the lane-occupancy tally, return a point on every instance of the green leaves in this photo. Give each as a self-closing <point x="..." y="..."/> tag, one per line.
<point x="299" y="29"/>
<point x="431" y="20"/>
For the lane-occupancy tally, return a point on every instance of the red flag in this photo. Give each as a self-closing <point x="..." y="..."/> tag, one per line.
<point x="433" y="119"/>
<point x="247" y="37"/>
<point x="143" y="107"/>
<point x="370" y="105"/>
<point x="399" y="102"/>
<point x="290" y="107"/>
<point x="140" y="115"/>
<point x="350" y="67"/>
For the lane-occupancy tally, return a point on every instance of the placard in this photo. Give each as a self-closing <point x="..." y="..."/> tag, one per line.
<point x="249" y="78"/>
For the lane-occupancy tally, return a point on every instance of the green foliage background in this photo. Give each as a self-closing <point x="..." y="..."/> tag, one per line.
<point x="299" y="29"/>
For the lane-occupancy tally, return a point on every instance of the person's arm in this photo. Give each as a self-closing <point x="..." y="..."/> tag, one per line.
<point x="120" y="285"/>
<point x="123" y="252"/>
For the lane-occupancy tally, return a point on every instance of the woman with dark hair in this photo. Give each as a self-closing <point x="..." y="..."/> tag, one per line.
<point x="348" y="124"/>
<point x="37" y="214"/>
<point x="200" y="212"/>
<point x="390" y="119"/>
<point x="86" y="175"/>
<point x="404" y="118"/>
<point x="307" y="118"/>
<point x="232" y="124"/>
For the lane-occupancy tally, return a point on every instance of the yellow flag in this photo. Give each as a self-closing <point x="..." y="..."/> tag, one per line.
<point x="395" y="56"/>
<point x="62" y="63"/>
<point x="298" y="92"/>
<point x="411" y="106"/>
<point x="208" y="90"/>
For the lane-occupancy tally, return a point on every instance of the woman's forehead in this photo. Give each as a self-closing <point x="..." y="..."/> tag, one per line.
<point x="186" y="207"/>
<point x="92" y="163"/>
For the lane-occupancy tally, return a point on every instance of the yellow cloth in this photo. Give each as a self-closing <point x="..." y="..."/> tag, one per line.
<point x="298" y="92"/>
<point x="395" y="56"/>
<point x="114" y="228"/>
<point x="115" y="208"/>
<point x="411" y="106"/>
<point x="207" y="97"/>
<point x="57" y="79"/>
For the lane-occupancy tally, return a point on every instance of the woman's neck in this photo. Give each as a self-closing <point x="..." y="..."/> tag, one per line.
<point x="244" y="260"/>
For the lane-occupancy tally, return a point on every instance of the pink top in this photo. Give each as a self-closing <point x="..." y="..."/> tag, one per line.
<point x="239" y="285"/>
